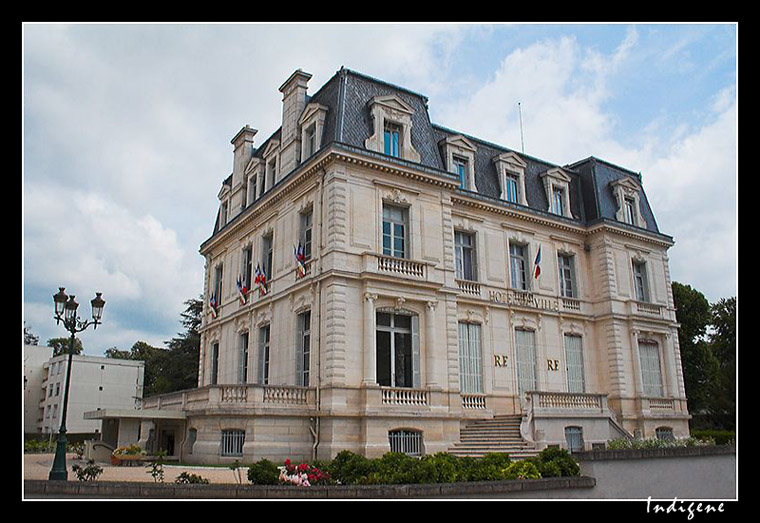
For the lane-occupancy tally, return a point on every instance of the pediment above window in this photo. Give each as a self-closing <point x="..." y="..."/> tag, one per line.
<point x="392" y="103"/>
<point x="271" y="148"/>
<point x="312" y="111"/>
<point x="253" y="163"/>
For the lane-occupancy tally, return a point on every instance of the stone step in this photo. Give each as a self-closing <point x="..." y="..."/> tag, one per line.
<point x="500" y="434"/>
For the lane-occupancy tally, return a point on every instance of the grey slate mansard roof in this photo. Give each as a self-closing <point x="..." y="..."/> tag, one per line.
<point x="348" y="121"/>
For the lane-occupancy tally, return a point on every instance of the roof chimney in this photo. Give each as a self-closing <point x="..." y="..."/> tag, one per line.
<point x="293" y="103"/>
<point x="243" y="150"/>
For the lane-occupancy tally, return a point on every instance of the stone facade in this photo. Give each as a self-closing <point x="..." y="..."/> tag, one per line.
<point x="418" y="307"/>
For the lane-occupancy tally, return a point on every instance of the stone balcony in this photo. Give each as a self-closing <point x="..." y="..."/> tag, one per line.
<point x="245" y="399"/>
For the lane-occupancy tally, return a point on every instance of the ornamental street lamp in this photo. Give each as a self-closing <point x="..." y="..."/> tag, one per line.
<point x="66" y="312"/>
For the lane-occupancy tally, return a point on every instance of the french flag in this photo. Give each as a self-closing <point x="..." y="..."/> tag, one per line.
<point x="537" y="263"/>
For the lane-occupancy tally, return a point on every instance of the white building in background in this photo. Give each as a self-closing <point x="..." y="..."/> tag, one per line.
<point x="97" y="383"/>
<point x="419" y="285"/>
<point x="35" y="358"/>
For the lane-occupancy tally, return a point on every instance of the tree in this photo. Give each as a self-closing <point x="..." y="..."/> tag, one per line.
<point x="700" y="366"/>
<point x="184" y="349"/>
<point x="723" y="343"/>
<point x="29" y="337"/>
<point x="61" y="345"/>
<point x="175" y="368"/>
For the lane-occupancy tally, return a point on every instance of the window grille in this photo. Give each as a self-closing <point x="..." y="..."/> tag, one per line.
<point x="665" y="433"/>
<point x="407" y="442"/>
<point x="232" y="442"/>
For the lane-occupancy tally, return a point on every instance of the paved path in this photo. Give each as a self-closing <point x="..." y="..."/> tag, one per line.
<point x="37" y="466"/>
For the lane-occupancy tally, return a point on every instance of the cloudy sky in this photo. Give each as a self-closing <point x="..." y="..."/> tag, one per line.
<point x="127" y="128"/>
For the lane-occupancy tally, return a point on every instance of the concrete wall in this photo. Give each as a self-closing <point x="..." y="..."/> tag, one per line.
<point x="693" y="472"/>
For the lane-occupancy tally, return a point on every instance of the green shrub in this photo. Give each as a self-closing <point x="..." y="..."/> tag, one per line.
<point x="263" y="472"/>
<point x="553" y="459"/>
<point x="445" y="467"/>
<point x="719" y="437"/>
<point x="88" y="473"/>
<point x="349" y="468"/>
<point x="521" y="470"/>
<point x="186" y="478"/>
<point x="395" y="468"/>
<point x="488" y="468"/>
<point x="547" y="469"/>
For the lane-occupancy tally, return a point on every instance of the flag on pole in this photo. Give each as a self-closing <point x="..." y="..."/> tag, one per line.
<point x="537" y="263"/>
<point x="260" y="280"/>
<point x="212" y="303"/>
<point x="242" y="289"/>
<point x="300" y="260"/>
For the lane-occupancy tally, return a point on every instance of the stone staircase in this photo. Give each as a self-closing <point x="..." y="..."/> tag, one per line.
<point x="498" y="434"/>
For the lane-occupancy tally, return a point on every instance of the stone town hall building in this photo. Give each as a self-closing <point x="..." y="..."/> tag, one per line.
<point x="445" y="283"/>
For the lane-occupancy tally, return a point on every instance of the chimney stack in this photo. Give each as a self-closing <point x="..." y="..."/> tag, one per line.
<point x="293" y="103"/>
<point x="242" y="152"/>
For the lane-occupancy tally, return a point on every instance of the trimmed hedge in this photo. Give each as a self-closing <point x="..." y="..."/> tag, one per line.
<point x="394" y="468"/>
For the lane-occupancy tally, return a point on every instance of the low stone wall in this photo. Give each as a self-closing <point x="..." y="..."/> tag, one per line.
<point x="685" y="473"/>
<point x="546" y="487"/>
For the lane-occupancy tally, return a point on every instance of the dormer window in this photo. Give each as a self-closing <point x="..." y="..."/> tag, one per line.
<point x="223" y="215"/>
<point x="460" y="166"/>
<point x="626" y="192"/>
<point x="459" y="155"/>
<point x="312" y="122"/>
<point x="391" y="135"/>
<point x="252" y="189"/>
<point x="309" y="144"/>
<point x="558" y="200"/>
<point x="629" y="214"/>
<point x="510" y="169"/>
<point x="510" y="188"/>
<point x="392" y="128"/>
<point x="557" y="187"/>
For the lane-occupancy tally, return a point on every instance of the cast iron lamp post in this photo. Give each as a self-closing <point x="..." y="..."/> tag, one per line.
<point x="66" y="312"/>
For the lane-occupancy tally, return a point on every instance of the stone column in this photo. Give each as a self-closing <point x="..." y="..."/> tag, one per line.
<point x="430" y="345"/>
<point x="637" y="376"/>
<point x="670" y="365"/>
<point x="370" y="365"/>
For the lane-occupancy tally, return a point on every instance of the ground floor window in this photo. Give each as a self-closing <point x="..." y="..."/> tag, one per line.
<point x="574" y="438"/>
<point x="232" y="442"/>
<point x="407" y="442"/>
<point x="665" y="433"/>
